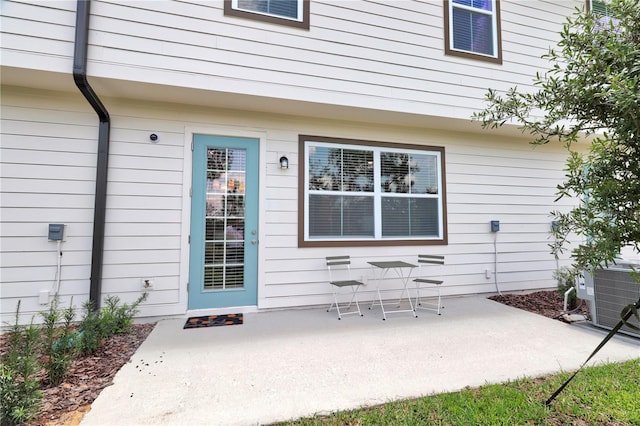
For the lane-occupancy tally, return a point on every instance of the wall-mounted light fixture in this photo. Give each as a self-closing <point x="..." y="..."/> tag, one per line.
<point x="284" y="162"/>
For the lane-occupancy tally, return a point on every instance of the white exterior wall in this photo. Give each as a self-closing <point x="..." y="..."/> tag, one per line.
<point x="372" y="70"/>
<point x="380" y="55"/>
<point x="48" y="172"/>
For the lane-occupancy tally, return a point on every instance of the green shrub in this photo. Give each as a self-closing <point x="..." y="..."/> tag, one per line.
<point x="20" y="394"/>
<point x="112" y="319"/>
<point x="566" y="278"/>
<point x="59" y="346"/>
<point x="116" y="318"/>
<point x="90" y="337"/>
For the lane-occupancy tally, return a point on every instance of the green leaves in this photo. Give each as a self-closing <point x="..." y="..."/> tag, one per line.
<point x="604" y="394"/>
<point x="116" y="318"/>
<point x="591" y="90"/>
<point x="113" y="318"/>
<point x="56" y="344"/>
<point x="20" y="395"/>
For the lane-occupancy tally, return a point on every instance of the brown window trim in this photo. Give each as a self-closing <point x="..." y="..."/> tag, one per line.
<point x="470" y="55"/>
<point x="304" y="24"/>
<point x="367" y="243"/>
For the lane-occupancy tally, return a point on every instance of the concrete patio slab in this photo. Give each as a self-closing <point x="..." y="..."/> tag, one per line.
<point x="282" y="365"/>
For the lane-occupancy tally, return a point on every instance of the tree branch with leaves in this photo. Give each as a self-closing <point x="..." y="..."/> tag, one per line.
<point x="590" y="93"/>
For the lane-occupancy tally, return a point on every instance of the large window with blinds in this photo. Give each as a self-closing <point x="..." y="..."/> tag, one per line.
<point x="472" y="29"/>
<point x="367" y="193"/>
<point x="287" y="12"/>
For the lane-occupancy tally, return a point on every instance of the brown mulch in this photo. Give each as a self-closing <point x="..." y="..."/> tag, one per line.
<point x="88" y="375"/>
<point x="549" y="303"/>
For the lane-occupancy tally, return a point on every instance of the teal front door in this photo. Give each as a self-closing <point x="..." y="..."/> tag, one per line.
<point x="223" y="262"/>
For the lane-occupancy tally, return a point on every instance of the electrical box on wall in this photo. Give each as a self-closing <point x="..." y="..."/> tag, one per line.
<point x="56" y="231"/>
<point x="495" y="225"/>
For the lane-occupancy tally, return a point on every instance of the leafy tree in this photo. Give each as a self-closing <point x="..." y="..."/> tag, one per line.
<point x="592" y="92"/>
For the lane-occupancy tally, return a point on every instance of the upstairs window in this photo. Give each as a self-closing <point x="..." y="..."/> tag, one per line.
<point x="472" y="29"/>
<point x="285" y="12"/>
<point x="598" y="7"/>
<point x="356" y="193"/>
<point x="602" y="13"/>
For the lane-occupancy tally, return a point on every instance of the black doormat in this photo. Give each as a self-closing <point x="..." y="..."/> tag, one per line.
<point x="213" y="321"/>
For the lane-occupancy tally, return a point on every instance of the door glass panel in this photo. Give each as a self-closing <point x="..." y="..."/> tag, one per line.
<point x="225" y="219"/>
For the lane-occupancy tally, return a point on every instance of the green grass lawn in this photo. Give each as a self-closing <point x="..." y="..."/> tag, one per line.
<point x="602" y="395"/>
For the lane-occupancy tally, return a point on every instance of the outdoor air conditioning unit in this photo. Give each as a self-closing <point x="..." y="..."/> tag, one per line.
<point x="607" y="291"/>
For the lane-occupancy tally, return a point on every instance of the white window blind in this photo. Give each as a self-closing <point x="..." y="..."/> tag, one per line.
<point x="340" y="192"/>
<point x="473" y="26"/>
<point x="289" y="9"/>
<point x="409" y="184"/>
<point x="357" y="192"/>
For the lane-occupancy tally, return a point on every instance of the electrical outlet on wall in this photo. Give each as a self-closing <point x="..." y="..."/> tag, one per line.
<point x="487" y="273"/>
<point x="43" y="297"/>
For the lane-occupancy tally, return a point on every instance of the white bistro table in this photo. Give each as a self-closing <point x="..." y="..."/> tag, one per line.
<point x="403" y="271"/>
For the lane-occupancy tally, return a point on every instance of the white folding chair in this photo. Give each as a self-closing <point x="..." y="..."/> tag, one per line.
<point x="340" y="277"/>
<point x="427" y="283"/>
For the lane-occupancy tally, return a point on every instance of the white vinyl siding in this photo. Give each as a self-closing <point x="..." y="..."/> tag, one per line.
<point x="371" y="70"/>
<point x="375" y="55"/>
<point x="47" y="169"/>
<point x="38" y="34"/>
<point x="48" y="172"/>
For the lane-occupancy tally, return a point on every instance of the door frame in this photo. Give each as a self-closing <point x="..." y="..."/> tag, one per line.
<point x="185" y="248"/>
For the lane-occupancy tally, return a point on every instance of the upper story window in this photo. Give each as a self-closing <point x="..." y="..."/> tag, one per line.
<point x="357" y="193"/>
<point x="285" y="12"/>
<point x="472" y="29"/>
<point x="599" y="7"/>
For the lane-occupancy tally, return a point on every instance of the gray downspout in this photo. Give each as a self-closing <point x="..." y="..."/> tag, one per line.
<point x="80" y="77"/>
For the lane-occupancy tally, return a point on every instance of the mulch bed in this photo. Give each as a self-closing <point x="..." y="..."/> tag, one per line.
<point x="549" y="303"/>
<point x="88" y="375"/>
